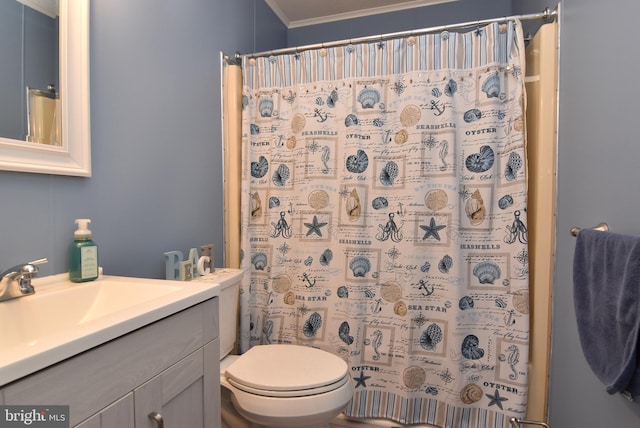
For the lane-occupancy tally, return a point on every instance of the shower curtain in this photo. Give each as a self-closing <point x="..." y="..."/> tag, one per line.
<point x="383" y="200"/>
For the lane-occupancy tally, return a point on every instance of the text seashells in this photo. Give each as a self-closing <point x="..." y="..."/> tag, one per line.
<point x="471" y="348"/>
<point x="481" y="161"/>
<point x="259" y="169"/>
<point x="360" y="266"/>
<point x="379" y="203"/>
<point x="431" y="337"/>
<point x="312" y="325"/>
<point x="486" y="272"/>
<point x="357" y="163"/>
<point x="389" y="173"/>
<point x="281" y="175"/>
<point x="368" y="98"/>
<point x="266" y="107"/>
<point x="259" y="261"/>
<point x="491" y="86"/>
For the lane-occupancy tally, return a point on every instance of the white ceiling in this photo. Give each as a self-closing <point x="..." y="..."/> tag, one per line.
<point x="299" y="13"/>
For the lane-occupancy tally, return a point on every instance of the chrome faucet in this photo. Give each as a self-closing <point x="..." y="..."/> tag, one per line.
<point x="16" y="281"/>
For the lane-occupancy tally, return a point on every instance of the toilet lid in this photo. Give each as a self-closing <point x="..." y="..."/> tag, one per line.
<point x="287" y="370"/>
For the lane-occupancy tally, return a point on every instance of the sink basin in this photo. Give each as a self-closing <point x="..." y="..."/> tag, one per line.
<point x="63" y="318"/>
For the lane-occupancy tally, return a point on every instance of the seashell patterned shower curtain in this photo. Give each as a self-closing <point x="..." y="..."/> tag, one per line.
<point x="384" y="220"/>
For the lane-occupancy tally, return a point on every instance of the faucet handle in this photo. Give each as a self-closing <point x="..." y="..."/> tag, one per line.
<point x="39" y="261"/>
<point x="31" y="269"/>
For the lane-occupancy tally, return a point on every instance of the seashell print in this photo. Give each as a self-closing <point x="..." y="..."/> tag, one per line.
<point x="389" y="173"/>
<point x="513" y="165"/>
<point x="297" y="123"/>
<point x="281" y="284"/>
<point x="351" y="120"/>
<point x="471" y="348"/>
<point x="343" y="292"/>
<point x="431" y="390"/>
<point x="370" y="294"/>
<point x="343" y="333"/>
<point x="475" y="209"/>
<point x="357" y="163"/>
<point x="486" y="272"/>
<point x="445" y="264"/>
<point x="259" y="169"/>
<point x="450" y="88"/>
<point x="436" y="199"/>
<point x="256" y="206"/>
<point x="308" y="261"/>
<point x="318" y="199"/>
<point x="268" y="331"/>
<point x="368" y="98"/>
<point x="410" y="115"/>
<point x="326" y="257"/>
<point x="425" y="267"/>
<point x="391" y="291"/>
<point x="289" y="298"/>
<point x="431" y="337"/>
<point x="400" y="308"/>
<point x="465" y="303"/>
<point x="274" y="202"/>
<point x="332" y="99"/>
<point x="319" y="101"/>
<point x="481" y="161"/>
<point x="379" y="203"/>
<point x="518" y="124"/>
<point x="360" y="266"/>
<point x="401" y="137"/>
<point x="436" y="92"/>
<point x="353" y="206"/>
<point x="520" y="301"/>
<point x="472" y="115"/>
<point x="500" y="303"/>
<point x="266" y="107"/>
<point x="245" y="102"/>
<point x="259" y="261"/>
<point x="312" y="325"/>
<point x="281" y="175"/>
<point x="413" y="377"/>
<point x="471" y="393"/>
<point x="505" y="202"/>
<point x="254" y="129"/>
<point x="491" y="86"/>
<point x="291" y="142"/>
<point x="378" y="122"/>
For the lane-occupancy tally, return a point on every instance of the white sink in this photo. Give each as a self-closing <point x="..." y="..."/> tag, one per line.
<point x="63" y="318"/>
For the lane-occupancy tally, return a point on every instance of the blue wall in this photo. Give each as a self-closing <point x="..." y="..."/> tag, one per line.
<point x="156" y="138"/>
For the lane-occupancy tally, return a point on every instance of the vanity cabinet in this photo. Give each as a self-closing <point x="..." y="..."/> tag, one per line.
<point x="168" y="369"/>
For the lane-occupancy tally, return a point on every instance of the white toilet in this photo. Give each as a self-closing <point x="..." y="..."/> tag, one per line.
<point x="277" y="385"/>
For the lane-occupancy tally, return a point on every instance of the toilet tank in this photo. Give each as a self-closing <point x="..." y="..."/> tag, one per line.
<point x="229" y="280"/>
<point x="229" y="296"/>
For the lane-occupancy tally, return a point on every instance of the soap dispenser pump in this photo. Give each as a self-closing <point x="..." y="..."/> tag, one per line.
<point x="83" y="254"/>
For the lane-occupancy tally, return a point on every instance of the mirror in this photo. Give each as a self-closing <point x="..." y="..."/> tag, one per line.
<point x="73" y="155"/>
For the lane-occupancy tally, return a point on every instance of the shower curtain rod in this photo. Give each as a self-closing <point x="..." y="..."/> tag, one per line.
<point x="546" y="15"/>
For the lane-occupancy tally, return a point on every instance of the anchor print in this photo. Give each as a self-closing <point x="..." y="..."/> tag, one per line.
<point x="322" y="116"/>
<point x="426" y="289"/>
<point x="435" y="105"/>
<point x="310" y="283"/>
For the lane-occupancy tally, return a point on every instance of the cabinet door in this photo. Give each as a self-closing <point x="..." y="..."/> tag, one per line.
<point x="117" y="415"/>
<point x="187" y="394"/>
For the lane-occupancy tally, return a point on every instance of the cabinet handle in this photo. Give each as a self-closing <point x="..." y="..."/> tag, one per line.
<point x="157" y="417"/>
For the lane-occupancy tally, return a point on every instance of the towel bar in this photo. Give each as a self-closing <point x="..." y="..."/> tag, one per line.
<point x="602" y="226"/>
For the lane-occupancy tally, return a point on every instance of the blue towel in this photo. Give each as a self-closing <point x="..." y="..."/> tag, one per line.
<point x="606" y="288"/>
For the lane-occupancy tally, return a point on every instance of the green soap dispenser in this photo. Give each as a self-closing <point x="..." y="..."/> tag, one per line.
<point x="83" y="254"/>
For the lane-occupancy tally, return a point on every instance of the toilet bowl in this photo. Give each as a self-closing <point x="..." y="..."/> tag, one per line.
<point x="277" y="385"/>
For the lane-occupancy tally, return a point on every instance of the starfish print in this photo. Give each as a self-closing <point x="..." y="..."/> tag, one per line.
<point x="361" y="380"/>
<point x="315" y="227"/>
<point x="496" y="399"/>
<point x="432" y="230"/>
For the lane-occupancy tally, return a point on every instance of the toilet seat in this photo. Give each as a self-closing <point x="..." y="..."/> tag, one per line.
<point x="287" y="371"/>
